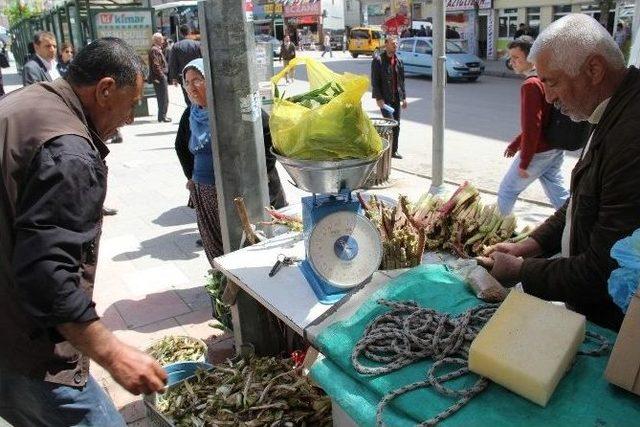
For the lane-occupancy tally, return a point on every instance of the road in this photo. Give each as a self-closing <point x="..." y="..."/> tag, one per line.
<point x="481" y="118"/>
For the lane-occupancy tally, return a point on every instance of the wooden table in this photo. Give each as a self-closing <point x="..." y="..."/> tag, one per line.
<point x="287" y="294"/>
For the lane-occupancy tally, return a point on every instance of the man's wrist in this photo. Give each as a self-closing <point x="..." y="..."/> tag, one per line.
<point x="529" y="248"/>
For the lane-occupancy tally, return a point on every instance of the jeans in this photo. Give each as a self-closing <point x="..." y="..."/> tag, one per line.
<point x="396" y="116"/>
<point x="544" y="166"/>
<point x="162" y="95"/>
<point x="29" y="402"/>
<point x="327" y="49"/>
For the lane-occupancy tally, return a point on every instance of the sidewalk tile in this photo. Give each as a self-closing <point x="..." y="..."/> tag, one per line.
<point x="155" y="279"/>
<point x="152" y="308"/>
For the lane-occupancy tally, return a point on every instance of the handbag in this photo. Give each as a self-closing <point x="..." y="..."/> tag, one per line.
<point x="563" y="133"/>
<point x="4" y="61"/>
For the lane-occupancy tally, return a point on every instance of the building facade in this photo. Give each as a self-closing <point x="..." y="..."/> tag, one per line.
<point x="487" y="26"/>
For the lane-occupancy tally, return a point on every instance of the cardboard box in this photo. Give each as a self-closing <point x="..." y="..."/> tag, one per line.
<point x="624" y="364"/>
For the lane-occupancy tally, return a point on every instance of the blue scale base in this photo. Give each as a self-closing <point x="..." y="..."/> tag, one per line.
<point x="325" y="293"/>
<point x="314" y="208"/>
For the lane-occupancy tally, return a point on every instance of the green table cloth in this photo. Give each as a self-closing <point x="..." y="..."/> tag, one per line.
<point x="583" y="397"/>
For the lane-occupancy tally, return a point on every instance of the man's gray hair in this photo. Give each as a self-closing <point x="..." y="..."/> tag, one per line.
<point x="571" y="39"/>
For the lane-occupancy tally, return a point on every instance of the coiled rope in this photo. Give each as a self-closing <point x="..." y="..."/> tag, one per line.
<point x="409" y="333"/>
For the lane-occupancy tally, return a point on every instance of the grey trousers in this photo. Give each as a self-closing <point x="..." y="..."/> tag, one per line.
<point x="162" y="95"/>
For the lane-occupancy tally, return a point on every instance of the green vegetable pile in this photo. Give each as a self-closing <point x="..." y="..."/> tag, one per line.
<point x="172" y="349"/>
<point x="317" y="97"/>
<point x="256" y="392"/>
<point x="216" y="282"/>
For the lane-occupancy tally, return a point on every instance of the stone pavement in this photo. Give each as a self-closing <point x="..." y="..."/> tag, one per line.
<point x="151" y="273"/>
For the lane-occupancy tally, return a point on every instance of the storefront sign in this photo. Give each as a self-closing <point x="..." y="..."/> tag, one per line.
<point x="468" y="4"/>
<point x="304" y="9"/>
<point x="133" y="26"/>
<point x="271" y="8"/>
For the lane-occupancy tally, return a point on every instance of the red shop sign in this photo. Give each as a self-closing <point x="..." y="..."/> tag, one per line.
<point x="304" y="9"/>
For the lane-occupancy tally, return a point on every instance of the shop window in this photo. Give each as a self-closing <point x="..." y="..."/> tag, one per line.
<point x="406" y="46"/>
<point x="533" y="20"/>
<point x="417" y="11"/>
<point x="560" y="11"/>
<point x="507" y="23"/>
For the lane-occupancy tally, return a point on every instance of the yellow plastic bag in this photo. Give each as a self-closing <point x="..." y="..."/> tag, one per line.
<point x="337" y="130"/>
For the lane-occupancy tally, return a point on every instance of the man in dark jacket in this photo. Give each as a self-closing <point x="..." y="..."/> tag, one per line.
<point x="42" y="66"/>
<point x="52" y="186"/>
<point x="183" y="52"/>
<point x="387" y="85"/>
<point x="157" y="76"/>
<point x="589" y="81"/>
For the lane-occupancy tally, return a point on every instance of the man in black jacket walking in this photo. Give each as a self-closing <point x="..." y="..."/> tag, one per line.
<point x="387" y="83"/>
<point x="183" y="52"/>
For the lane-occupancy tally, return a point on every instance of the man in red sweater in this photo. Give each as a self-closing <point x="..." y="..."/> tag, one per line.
<point x="537" y="160"/>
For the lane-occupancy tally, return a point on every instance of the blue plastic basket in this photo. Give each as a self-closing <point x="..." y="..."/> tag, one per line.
<point x="177" y="373"/>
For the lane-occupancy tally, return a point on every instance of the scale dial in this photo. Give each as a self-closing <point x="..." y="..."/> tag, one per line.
<point x="344" y="249"/>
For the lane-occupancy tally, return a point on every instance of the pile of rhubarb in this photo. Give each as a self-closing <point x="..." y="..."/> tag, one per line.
<point x="462" y="225"/>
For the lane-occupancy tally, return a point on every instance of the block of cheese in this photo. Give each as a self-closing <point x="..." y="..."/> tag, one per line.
<point x="527" y="346"/>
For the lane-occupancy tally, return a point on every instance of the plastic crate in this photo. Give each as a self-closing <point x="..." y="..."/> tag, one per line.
<point x="177" y="373"/>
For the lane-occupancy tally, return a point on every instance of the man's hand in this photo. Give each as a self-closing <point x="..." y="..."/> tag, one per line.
<point x="510" y="152"/>
<point x="190" y="185"/>
<point x="523" y="173"/>
<point x="504" y="267"/>
<point x="157" y="82"/>
<point x="136" y="371"/>
<point x="404" y="104"/>
<point x="526" y="248"/>
<point x="380" y="103"/>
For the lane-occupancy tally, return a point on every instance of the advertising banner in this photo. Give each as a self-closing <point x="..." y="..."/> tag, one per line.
<point x="398" y="17"/>
<point x="133" y="26"/>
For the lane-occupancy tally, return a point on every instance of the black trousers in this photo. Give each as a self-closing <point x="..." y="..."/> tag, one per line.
<point x="396" y="116"/>
<point x="162" y="95"/>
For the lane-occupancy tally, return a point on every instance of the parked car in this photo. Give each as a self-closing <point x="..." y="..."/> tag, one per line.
<point x="265" y="38"/>
<point x="366" y="41"/>
<point x="416" y="53"/>
<point x="337" y="40"/>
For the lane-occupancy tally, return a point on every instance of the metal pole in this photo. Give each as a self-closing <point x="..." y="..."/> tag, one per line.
<point x="234" y="104"/>
<point x="439" y="82"/>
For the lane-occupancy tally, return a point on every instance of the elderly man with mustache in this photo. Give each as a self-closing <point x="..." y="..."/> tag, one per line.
<point x="584" y="74"/>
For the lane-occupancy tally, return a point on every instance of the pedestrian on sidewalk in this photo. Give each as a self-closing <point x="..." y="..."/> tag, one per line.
<point x="387" y="86"/>
<point x="42" y="65"/>
<point x="287" y="53"/>
<point x="64" y="59"/>
<point x="327" y="45"/>
<point x="52" y="184"/>
<point x="197" y="161"/>
<point x="537" y="160"/>
<point x="183" y="52"/>
<point x="157" y="76"/>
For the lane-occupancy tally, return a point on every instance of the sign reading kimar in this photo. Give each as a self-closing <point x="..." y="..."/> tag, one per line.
<point x="133" y="26"/>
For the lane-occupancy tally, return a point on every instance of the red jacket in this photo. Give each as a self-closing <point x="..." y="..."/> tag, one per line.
<point x="534" y="115"/>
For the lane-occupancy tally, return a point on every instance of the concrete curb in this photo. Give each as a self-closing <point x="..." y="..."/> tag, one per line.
<point x="507" y="74"/>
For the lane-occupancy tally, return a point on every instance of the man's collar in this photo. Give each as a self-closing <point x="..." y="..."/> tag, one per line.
<point x="595" y="117"/>
<point x="47" y="64"/>
<point x="100" y="145"/>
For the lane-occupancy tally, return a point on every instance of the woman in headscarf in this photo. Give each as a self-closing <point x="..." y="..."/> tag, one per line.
<point x="195" y="163"/>
<point x="202" y="182"/>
